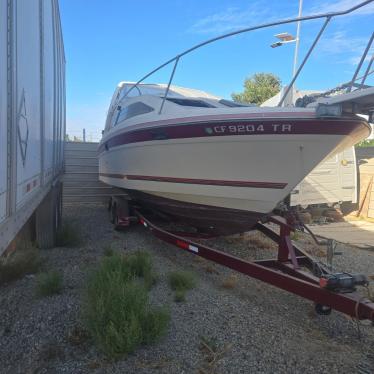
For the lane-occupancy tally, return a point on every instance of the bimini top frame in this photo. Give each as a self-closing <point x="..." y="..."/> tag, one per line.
<point x="326" y="16"/>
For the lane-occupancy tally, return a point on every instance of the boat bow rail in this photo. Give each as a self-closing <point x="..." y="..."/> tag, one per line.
<point x="364" y="105"/>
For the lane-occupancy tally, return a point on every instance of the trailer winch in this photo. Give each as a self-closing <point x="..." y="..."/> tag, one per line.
<point x="343" y="282"/>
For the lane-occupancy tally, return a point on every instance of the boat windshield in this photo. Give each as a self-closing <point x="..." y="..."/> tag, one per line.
<point x="130" y="111"/>
<point x="234" y="104"/>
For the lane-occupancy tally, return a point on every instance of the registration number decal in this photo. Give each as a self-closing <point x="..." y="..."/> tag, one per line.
<point x="249" y="129"/>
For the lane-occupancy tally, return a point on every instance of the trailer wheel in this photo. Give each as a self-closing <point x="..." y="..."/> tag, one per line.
<point x="110" y="213"/>
<point x="322" y="310"/>
<point x="113" y="214"/>
<point x="46" y="221"/>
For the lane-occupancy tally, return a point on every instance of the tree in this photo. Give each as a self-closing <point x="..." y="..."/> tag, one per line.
<point x="258" y="88"/>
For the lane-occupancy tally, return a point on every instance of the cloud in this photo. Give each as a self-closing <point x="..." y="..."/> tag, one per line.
<point x="340" y="43"/>
<point x="340" y="5"/>
<point x="231" y="19"/>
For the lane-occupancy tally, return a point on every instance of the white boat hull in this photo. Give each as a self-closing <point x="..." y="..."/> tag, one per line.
<point x="250" y="173"/>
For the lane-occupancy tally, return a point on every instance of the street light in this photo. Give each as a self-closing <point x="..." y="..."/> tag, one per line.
<point x="284" y="38"/>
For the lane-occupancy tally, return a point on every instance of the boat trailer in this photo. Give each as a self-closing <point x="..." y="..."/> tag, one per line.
<point x="293" y="270"/>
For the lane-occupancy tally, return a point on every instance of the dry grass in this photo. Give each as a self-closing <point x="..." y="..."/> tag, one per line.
<point x="209" y="268"/>
<point x="212" y="352"/>
<point x="259" y="241"/>
<point x="77" y="335"/>
<point x="50" y="351"/>
<point x="295" y="235"/>
<point x="154" y="365"/>
<point x="94" y="364"/>
<point x="230" y="282"/>
<point x="200" y="260"/>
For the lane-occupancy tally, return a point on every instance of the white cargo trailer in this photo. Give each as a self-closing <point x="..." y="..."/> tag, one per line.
<point x="331" y="182"/>
<point x="334" y="181"/>
<point x="32" y="118"/>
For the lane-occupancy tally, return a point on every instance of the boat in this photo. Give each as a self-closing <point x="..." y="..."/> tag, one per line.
<point x="214" y="164"/>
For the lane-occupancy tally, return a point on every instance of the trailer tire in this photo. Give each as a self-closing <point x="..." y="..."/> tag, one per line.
<point x="46" y="220"/>
<point x="113" y="214"/>
<point x="110" y="214"/>
<point x="322" y="310"/>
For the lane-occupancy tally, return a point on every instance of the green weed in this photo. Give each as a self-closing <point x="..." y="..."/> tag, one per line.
<point x="49" y="283"/>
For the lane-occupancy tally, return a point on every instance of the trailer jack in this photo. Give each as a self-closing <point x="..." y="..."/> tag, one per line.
<point x="293" y="270"/>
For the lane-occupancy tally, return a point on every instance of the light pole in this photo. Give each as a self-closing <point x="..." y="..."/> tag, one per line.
<point x="285" y="38"/>
<point x="297" y="39"/>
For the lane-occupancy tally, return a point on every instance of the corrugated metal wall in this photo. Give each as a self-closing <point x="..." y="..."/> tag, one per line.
<point x="81" y="179"/>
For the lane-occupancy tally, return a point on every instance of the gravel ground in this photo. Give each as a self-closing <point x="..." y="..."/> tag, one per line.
<point x="257" y="328"/>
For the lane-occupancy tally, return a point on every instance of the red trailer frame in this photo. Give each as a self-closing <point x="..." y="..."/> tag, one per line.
<point x="285" y="272"/>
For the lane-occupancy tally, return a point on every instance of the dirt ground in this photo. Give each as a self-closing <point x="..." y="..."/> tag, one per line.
<point x="256" y="328"/>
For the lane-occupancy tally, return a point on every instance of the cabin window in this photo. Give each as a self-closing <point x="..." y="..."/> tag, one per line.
<point x="233" y="104"/>
<point x="190" y="102"/>
<point x="131" y="110"/>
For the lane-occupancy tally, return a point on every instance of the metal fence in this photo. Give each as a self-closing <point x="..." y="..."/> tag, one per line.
<point x="84" y="136"/>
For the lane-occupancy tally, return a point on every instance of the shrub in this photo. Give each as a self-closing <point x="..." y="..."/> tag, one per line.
<point x="180" y="296"/>
<point x="68" y="235"/>
<point x="181" y="280"/>
<point x="108" y="251"/>
<point x="21" y="262"/>
<point x="116" y="309"/>
<point x="48" y="283"/>
<point x="141" y="266"/>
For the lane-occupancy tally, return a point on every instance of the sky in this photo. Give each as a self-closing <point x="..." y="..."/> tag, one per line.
<point x="108" y="41"/>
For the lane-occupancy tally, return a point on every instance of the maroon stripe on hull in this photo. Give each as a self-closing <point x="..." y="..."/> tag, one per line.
<point x="236" y="128"/>
<point x="208" y="182"/>
<point x="210" y="219"/>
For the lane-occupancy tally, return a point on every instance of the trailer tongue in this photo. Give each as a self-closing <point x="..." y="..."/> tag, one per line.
<point x="293" y="270"/>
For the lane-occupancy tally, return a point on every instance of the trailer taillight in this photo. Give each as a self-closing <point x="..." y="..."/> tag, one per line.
<point x="182" y="244"/>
